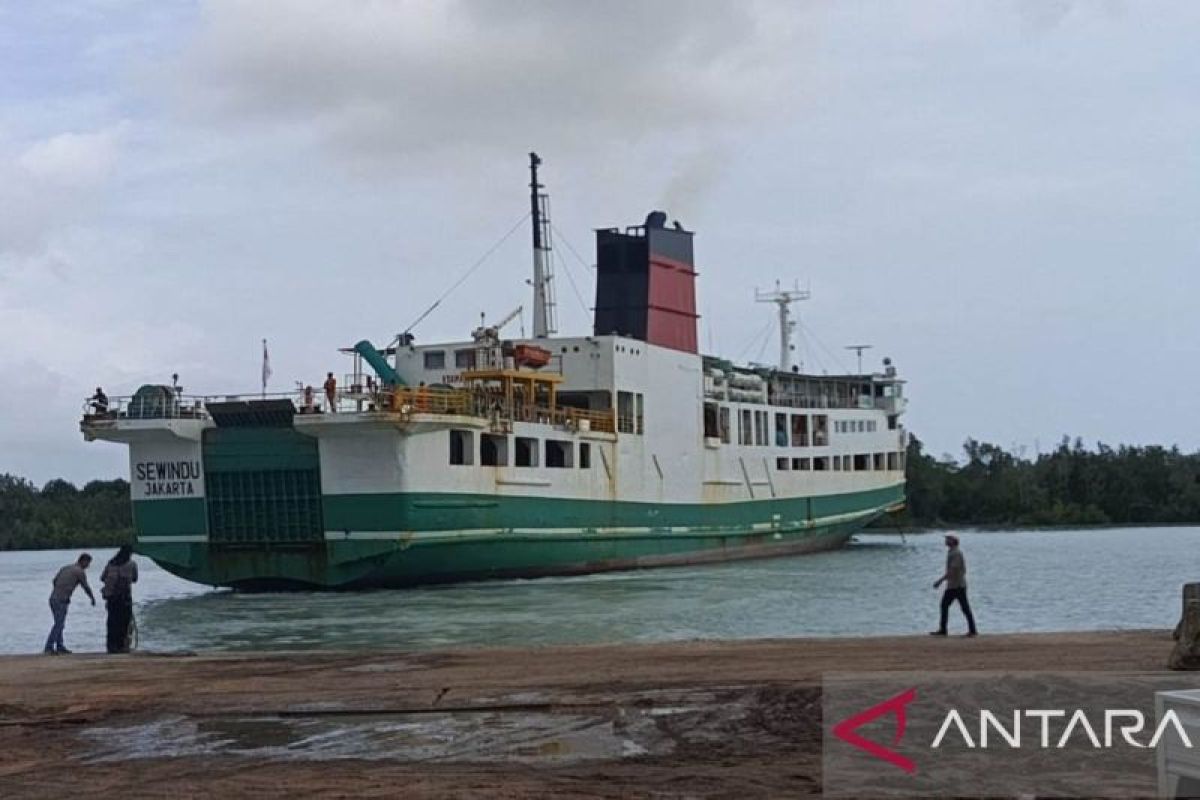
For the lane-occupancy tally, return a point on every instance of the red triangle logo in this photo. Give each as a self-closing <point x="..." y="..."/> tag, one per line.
<point x="845" y="730"/>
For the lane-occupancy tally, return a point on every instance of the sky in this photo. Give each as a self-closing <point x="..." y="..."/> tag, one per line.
<point x="1002" y="197"/>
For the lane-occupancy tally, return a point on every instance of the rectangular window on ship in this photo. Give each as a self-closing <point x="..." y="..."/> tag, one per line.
<point x="559" y="453"/>
<point x="527" y="452"/>
<point x="493" y="450"/>
<point x="462" y="447"/>
<point x="435" y="359"/>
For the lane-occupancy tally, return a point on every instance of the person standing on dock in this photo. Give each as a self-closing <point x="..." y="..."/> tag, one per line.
<point x="955" y="579"/>
<point x="118" y="578"/>
<point x="64" y="584"/>
<point x="331" y="392"/>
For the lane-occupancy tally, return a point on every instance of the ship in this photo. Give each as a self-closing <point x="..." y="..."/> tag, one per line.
<point x="493" y="457"/>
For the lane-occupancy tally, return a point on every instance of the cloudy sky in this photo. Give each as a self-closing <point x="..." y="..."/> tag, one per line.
<point x="1002" y="196"/>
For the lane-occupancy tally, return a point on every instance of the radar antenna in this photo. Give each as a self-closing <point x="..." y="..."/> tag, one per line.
<point x="858" y="351"/>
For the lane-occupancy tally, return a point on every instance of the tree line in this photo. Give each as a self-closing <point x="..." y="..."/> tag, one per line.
<point x="1071" y="485"/>
<point x="60" y="515"/>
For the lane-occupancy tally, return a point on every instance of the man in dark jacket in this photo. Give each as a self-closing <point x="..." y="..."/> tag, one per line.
<point x="118" y="578"/>
<point x="955" y="578"/>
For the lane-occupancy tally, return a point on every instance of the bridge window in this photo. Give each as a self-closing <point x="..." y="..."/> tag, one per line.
<point x="745" y="428"/>
<point x="585" y="455"/>
<point x="464" y="359"/>
<point x="893" y="462"/>
<point x="625" y="421"/>
<point x="723" y="424"/>
<point x="820" y="430"/>
<point x="783" y="463"/>
<point x="435" y="359"/>
<point x="799" y="430"/>
<point x="877" y="460"/>
<point x="760" y="428"/>
<point x="559" y="453"/>
<point x="527" y="451"/>
<point x="710" y="421"/>
<point x="802" y="464"/>
<point x="781" y="430"/>
<point x="862" y="463"/>
<point x="820" y="464"/>
<point x="493" y="450"/>
<point x="462" y="447"/>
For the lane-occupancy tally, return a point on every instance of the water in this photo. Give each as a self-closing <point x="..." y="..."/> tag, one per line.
<point x="1019" y="581"/>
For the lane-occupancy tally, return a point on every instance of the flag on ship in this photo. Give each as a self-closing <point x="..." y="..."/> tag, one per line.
<point x="266" y="367"/>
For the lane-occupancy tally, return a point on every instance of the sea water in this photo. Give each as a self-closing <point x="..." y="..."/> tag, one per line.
<point x="879" y="584"/>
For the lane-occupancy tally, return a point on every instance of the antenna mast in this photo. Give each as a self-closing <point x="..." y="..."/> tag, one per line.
<point x="544" y="322"/>
<point x="784" y="299"/>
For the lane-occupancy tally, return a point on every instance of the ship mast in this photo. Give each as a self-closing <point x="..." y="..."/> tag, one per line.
<point x="544" y="322"/>
<point x="784" y="299"/>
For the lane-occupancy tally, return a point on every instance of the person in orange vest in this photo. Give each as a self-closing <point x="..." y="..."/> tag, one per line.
<point x="331" y="392"/>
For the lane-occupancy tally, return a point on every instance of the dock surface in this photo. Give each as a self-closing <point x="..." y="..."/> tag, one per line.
<point x="696" y="719"/>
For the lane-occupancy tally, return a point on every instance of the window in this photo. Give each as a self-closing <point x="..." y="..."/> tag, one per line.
<point x="559" y="453"/>
<point x="493" y="450"/>
<point x="862" y="463"/>
<point x="891" y="422"/>
<point x="527" y="452"/>
<point x="837" y="463"/>
<point x="783" y="463"/>
<point x="464" y="359"/>
<point x="585" y="455"/>
<point x="820" y="430"/>
<point x="862" y="426"/>
<point x="799" y="430"/>
<point x="781" y="430"/>
<point x="802" y="464"/>
<point x="710" y="421"/>
<point x="820" y="464"/>
<point x="877" y="462"/>
<point x="435" y="359"/>
<point x="723" y="421"/>
<point x="462" y="447"/>
<point x="625" y="412"/>
<point x="760" y="428"/>
<point x="640" y="407"/>
<point x="745" y="428"/>
<point x="893" y="462"/>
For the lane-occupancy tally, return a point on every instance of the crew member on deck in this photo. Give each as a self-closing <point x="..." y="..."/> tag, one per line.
<point x="308" y="400"/>
<point x="99" y="401"/>
<point x="331" y="392"/>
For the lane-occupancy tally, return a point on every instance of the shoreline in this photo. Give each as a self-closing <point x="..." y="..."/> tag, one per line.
<point x="694" y="718"/>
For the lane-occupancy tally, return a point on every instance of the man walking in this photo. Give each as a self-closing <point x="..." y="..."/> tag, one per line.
<point x="955" y="579"/>
<point x="64" y="584"/>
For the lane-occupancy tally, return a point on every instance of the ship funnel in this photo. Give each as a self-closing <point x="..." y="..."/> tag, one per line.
<point x="646" y="284"/>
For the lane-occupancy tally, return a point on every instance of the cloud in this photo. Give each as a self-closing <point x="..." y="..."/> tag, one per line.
<point x="74" y="159"/>
<point x="381" y="80"/>
<point x="47" y="185"/>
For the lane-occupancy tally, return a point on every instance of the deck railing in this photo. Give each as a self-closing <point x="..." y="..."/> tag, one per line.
<point x="406" y="401"/>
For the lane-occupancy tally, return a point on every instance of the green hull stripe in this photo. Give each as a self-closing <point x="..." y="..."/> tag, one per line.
<point x="571" y="538"/>
<point x="459" y="512"/>
<point x="180" y="517"/>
